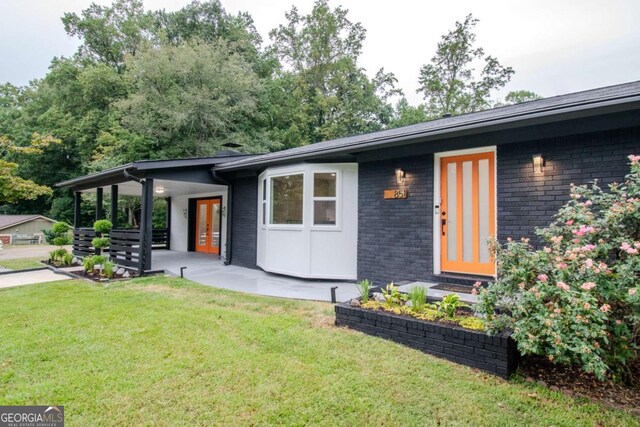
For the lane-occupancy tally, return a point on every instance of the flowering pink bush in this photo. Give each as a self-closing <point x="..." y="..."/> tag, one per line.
<point x="577" y="300"/>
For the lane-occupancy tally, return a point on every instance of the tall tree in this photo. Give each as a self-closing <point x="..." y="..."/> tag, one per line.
<point x="108" y="33"/>
<point x="334" y="95"/>
<point x="190" y="99"/>
<point x="449" y="83"/>
<point x="518" y="97"/>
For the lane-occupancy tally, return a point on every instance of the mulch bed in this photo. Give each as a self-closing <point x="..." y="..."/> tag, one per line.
<point x="95" y="276"/>
<point x="573" y="382"/>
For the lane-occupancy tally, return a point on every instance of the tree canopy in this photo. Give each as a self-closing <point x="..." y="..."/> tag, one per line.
<point x="159" y="84"/>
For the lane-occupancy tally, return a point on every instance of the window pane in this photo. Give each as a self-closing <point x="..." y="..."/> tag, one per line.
<point x="324" y="212"/>
<point x="324" y="185"/>
<point x="264" y="189"/>
<point x="286" y="199"/>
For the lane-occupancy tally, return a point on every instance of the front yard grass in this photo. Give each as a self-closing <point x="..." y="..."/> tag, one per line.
<point x="165" y="351"/>
<point x="20" y="263"/>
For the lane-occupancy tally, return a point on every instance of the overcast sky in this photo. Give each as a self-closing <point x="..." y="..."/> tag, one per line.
<point x="555" y="46"/>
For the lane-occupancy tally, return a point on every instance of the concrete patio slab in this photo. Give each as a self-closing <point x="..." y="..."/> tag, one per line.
<point x="209" y="270"/>
<point x="29" y="278"/>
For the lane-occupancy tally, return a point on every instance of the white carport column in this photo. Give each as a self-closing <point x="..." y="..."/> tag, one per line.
<point x="145" y="225"/>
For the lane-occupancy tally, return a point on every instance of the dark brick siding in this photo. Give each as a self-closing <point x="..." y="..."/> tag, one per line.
<point x="527" y="200"/>
<point x="394" y="236"/>
<point x="244" y="219"/>
<point x="496" y="354"/>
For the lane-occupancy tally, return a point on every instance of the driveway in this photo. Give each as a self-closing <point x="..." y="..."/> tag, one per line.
<point x="28" y="251"/>
<point x="21" y="278"/>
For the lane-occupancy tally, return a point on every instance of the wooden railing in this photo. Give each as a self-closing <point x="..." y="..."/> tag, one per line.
<point x="124" y="247"/>
<point x="160" y="238"/>
<point x="82" y="238"/>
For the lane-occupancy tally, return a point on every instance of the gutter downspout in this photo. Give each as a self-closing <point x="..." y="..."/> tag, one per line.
<point x="216" y="177"/>
<point x="131" y="177"/>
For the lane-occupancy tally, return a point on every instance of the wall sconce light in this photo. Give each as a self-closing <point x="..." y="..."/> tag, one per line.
<point x="538" y="163"/>
<point x="400" y="176"/>
<point x="159" y="190"/>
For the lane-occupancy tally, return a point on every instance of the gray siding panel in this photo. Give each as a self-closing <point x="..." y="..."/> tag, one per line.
<point x="244" y="213"/>
<point x="394" y="236"/>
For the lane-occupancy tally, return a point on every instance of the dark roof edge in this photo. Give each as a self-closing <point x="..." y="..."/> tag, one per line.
<point x="477" y="124"/>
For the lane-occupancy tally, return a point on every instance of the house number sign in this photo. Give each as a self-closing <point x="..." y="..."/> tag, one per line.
<point x="396" y="194"/>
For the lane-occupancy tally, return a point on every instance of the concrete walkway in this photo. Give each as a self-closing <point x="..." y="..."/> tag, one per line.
<point x="209" y="270"/>
<point x="437" y="293"/>
<point x="29" y="278"/>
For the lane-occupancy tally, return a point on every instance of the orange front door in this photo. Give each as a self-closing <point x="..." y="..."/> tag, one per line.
<point x="467" y="213"/>
<point x="208" y="230"/>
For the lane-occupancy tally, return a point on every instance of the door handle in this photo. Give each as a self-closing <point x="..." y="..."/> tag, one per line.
<point x="443" y="222"/>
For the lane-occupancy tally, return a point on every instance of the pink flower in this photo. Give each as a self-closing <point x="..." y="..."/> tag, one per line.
<point x="632" y="291"/>
<point x="556" y="239"/>
<point x="588" y="263"/>
<point x="561" y="265"/>
<point x="477" y="284"/>
<point x="587" y="306"/>
<point x="543" y="277"/>
<point x="570" y="222"/>
<point x="584" y="229"/>
<point x="618" y="322"/>
<point x="605" y="308"/>
<point x="588" y="286"/>
<point x="521" y="285"/>
<point x="557" y="311"/>
<point x="547" y="250"/>
<point x="587" y="248"/>
<point x="563" y="286"/>
<point x="576" y="240"/>
<point x="637" y="245"/>
<point x="474" y="291"/>
<point x="634" y="159"/>
<point x="587" y="203"/>
<point x="632" y="251"/>
<point x="626" y="247"/>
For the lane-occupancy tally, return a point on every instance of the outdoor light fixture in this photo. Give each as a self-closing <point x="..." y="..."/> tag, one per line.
<point x="538" y="163"/>
<point x="159" y="190"/>
<point x="400" y="175"/>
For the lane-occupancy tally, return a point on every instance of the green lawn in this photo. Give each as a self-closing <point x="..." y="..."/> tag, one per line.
<point x="159" y="351"/>
<point x="20" y="263"/>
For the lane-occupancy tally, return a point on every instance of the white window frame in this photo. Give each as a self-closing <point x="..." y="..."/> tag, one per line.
<point x="269" y="203"/>
<point x="335" y="199"/>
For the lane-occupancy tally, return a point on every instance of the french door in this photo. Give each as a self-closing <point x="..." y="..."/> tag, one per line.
<point x="467" y="213"/>
<point x="208" y="226"/>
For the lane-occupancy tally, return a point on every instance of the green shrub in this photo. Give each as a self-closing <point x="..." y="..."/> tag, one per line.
<point x="61" y="241"/>
<point x="52" y="255"/>
<point x="418" y="297"/>
<point x="102" y="226"/>
<point x="364" y="287"/>
<point x="67" y="259"/>
<point x="108" y="269"/>
<point x="100" y="242"/>
<point x="89" y="263"/>
<point x="60" y="228"/>
<point x="577" y="300"/>
<point x="450" y="304"/>
<point x="472" y="323"/>
<point x="393" y="296"/>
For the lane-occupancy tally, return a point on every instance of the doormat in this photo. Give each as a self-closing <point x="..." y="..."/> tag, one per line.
<point x="453" y="288"/>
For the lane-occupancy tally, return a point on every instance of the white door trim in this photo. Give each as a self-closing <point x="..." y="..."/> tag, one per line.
<point x="437" y="197"/>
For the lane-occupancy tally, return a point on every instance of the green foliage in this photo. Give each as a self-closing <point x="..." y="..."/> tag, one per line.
<point x="67" y="259"/>
<point x="89" y="263"/>
<point x="472" y="323"/>
<point x="100" y="242"/>
<point x="100" y="259"/>
<point x="58" y="256"/>
<point x="450" y="304"/>
<point x="60" y="227"/>
<point x="364" y="287"/>
<point x="102" y="226"/>
<point x="418" y="297"/>
<point x="333" y="95"/>
<point x="393" y="296"/>
<point x="108" y="269"/>
<point x="448" y="82"/>
<point x="577" y="301"/>
<point x="519" y="96"/>
<point x="61" y="240"/>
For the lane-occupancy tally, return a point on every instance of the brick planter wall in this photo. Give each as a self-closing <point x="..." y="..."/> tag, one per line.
<point x="494" y="354"/>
